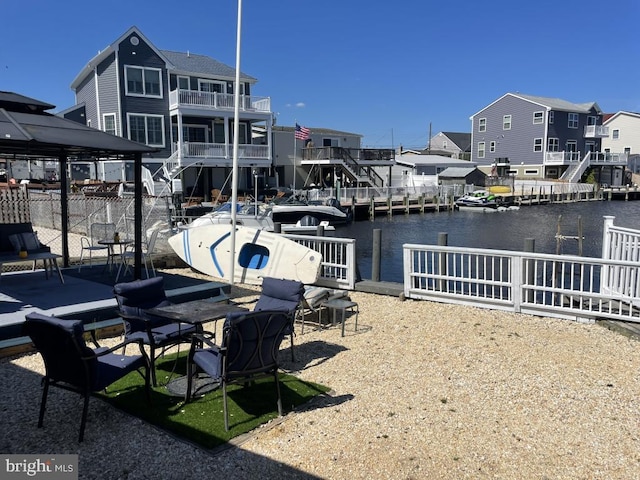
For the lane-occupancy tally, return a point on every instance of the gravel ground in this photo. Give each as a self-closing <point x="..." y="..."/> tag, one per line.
<point x="421" y="390"/>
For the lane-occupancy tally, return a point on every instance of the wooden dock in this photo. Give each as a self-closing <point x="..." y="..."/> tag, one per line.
<point x="368" y="209"/>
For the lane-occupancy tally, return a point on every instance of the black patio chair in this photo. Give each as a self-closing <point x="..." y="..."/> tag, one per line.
<point x="249" y="350"/>
<point x="134" y="299"/>
<point x="70" y="364"/>
<point x="284" y="296"/>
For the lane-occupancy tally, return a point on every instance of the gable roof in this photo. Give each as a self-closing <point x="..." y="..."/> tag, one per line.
<point x="461" y="139"/>
<point x="181" y="62"/>
<point x="550" y="103"/>
<point x="610" y="118"/>
<point x="203" y="65"/>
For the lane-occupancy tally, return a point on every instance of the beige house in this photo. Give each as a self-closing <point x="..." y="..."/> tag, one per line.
<point x="624" y="133"/>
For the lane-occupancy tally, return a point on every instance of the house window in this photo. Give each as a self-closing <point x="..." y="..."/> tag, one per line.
<point x="143" y="82"/>
<point x="506" y="122"/>
<point x="537" y="144"/>
<point x="147" y="129"/>
<point x="591" y="120"/>
<point x="183" y="83"/>
<point x="481" y="150"/>
<point x="551" y="115"/>
<point x="616" y="134"/>
<point x="571" y="146"/>
<point x="492" y="147"/>
<point x="531" y="172"/>
<point x="444" y="145"/>
<point x="210" y="86"/>
<point x="553" y="145"/>
<point x="482" y="124"/>
<point x="573" y="120"/>
<point x="538" y="117"/>
<point x="109" y="123"/>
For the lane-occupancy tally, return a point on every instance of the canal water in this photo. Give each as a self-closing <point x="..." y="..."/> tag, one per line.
<point x="499" y="231"/>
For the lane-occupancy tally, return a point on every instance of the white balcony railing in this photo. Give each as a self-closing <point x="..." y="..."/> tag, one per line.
<point x="217" y="101"/>
<point x="561" y="158"/>
<point x="223" y="150"/>
<point x="596" y="131"/>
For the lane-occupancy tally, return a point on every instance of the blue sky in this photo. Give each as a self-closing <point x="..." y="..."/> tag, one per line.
<point x="390" y="71"/>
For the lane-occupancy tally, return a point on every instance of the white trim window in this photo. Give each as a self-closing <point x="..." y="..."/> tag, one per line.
<point x="184" y="83"/>
<point x="553" y="144"/>
<point x="482" y="124"/>
<point x="147" y="129"/>
<point x="574" y="119"/>
<point x="615" y="134"/>
<point x="538" y="118"/>
<point x="492" y="146"/>
<point x="143" y="81"/>
<point x="537" y="144"/>
<point x="211" y="86"/>
<point x="506" y="122"/>
<point x="551" y="115"/>
<point x="109" y="123"/>
<point x="481" y="149"/>
<point x="531" y="172"/>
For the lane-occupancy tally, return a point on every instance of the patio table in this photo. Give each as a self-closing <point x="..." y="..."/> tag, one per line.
<point x="195" y="312"/>
<point x="49" y="260"/>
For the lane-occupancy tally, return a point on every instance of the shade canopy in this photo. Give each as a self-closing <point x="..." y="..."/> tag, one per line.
<point x="28" y="131"/>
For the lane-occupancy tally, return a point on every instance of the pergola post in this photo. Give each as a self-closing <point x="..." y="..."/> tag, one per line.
<point x="137" y="212"/>
<point x="64" y="208"/>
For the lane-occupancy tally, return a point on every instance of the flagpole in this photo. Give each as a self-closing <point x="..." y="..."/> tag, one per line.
<point x="236" y="139"/>
<point x="295" y="147"/>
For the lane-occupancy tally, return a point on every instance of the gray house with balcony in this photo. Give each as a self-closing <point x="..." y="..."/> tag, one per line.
<point x="538" y="137"/>
<point x="180" y="103"/>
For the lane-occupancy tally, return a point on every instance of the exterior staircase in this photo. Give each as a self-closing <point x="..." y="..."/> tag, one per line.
<point x="573" y="174"/>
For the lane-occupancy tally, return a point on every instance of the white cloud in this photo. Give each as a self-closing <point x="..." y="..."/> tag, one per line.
<point x="300" y="105"/>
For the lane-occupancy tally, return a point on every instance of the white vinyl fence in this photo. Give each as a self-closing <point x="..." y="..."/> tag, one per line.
<point x="560" y="286"/>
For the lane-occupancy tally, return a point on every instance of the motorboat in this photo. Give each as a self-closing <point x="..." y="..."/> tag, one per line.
<point x="292" y="209"/>
<point x="257" y="254"/>
<point x="482" y="201"/>
<point x="260" y="216"/>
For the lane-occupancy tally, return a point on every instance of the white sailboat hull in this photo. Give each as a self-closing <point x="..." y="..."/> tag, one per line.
<point x="258" y="254"/>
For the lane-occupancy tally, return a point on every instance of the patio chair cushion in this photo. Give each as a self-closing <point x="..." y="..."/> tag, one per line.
<point x="137" y="296"/>
<point x="280" y="294"/>
<point x="26" y="241"/>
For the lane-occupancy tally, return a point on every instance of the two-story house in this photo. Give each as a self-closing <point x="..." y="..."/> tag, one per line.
<point x="181" y="103"/>
<point x="538" y="137"/>
<point x="450" y="144"/>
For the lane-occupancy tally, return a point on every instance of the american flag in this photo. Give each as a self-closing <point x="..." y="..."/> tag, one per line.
<point x="302" y="133"/>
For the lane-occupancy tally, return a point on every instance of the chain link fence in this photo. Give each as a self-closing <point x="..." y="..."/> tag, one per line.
<point x="45" y="215"/>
